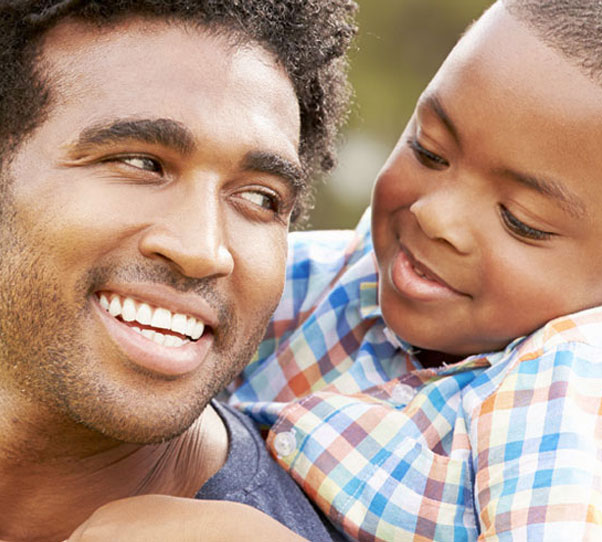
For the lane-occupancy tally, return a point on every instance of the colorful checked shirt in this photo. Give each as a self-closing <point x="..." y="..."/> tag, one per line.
<point x="502" y="446"/>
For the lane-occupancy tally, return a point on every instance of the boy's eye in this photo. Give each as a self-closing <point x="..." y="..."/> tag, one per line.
<point x="519" y="228"/>
<point x="426" y="157"/>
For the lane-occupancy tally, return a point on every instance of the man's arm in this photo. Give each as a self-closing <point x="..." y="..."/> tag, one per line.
<point x="156" y="518"/>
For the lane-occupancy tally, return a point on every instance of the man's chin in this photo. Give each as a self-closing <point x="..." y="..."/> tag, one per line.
<point x="142" y="434"/>
<point x="143" y="426"/>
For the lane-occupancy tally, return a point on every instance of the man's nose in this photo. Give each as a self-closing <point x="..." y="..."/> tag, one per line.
<point x="445" y="215"/>
<point x="191" y="235"/>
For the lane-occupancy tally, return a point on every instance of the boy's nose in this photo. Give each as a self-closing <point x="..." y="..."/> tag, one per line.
<point x="445" y="216"/>
<point x="192" y="236"/>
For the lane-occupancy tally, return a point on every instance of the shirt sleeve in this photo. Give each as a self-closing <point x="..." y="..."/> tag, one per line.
<point x="315" y="261"/>
<point x="539" y="449"/>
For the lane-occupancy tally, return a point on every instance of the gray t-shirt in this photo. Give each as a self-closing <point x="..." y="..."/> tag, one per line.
<point x="250" y="476"/>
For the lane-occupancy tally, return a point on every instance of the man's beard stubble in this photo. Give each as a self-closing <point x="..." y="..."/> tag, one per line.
<point x="44" y="355"/>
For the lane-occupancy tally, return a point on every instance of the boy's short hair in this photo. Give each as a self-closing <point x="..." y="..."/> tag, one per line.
<point x="309" y="38"/>
<point x="572" y="27"/>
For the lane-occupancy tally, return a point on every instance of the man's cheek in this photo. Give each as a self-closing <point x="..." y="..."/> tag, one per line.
<point x="263" y="264"/>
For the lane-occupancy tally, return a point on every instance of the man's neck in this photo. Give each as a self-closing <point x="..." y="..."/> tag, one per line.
<point x="57" y="491"/>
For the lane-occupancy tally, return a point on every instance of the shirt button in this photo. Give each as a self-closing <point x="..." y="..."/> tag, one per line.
<point x="285" y="443"/>
<point x="402" y="394"/>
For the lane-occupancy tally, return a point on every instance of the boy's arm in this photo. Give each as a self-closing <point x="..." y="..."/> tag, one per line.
<point x="156" y="518"/>
<point x="510" y="453"/>
<point x="318" y="266"/>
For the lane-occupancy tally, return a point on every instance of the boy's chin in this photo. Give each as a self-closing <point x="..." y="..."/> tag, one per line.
<point x="435" y="340"/>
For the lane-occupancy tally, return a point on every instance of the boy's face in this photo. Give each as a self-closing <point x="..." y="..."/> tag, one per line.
<point x="487" y="217"/>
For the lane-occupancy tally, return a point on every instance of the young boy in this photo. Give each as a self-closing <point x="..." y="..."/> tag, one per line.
<point x="485" y="233"/>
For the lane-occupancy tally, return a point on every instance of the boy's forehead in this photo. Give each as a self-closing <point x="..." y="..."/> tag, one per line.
<point x="514" y="99"/>
<point x="509" y="52"/>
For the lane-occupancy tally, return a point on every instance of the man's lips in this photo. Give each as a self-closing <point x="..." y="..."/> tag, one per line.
<point x="158" y="324"/>
<point x="170" y="340"/>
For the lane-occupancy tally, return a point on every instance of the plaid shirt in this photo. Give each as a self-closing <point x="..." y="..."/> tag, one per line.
<point x="501" y="446"/>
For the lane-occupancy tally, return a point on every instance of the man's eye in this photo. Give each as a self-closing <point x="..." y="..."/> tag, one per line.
<point x="142" y="162"/>
<point x="519" y="228"/>
<point x="264" y="200"/>
<point x="426" y="157"/>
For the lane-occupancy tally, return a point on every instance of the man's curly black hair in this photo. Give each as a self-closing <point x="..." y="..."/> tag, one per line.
<point x="309" y="37"/>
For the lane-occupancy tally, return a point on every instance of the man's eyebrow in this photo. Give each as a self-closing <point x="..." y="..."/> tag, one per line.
<point x="166" y="132"/>
<point x="275" y="164"/>
<point x="569" y="201"/>
<point x="173" y="134"/>
<point x="433" y="102"/>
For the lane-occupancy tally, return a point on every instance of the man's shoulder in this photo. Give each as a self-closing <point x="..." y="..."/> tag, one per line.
<point x="250" y="476"/>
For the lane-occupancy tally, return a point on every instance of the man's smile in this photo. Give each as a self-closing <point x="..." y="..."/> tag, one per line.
<point x="162" y="331"/>
<point x="185" y="328"/>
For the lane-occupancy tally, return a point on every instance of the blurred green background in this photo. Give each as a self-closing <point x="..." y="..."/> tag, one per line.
<point x="401" y="44"/>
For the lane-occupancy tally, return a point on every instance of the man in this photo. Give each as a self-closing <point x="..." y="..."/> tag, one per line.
<point x="153" y="154"/>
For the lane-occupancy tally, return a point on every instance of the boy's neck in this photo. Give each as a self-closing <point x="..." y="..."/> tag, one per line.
<point x="431" y="359"/>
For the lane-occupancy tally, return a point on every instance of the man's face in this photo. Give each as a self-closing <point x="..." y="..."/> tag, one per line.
<point x="150" y="208"/>
<point x="487" y="217"/>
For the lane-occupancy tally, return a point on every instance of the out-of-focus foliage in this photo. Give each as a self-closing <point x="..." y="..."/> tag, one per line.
<point x="400" y="46"/>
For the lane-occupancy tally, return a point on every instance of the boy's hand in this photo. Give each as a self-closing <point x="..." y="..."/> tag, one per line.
<point x="158" y="518"/>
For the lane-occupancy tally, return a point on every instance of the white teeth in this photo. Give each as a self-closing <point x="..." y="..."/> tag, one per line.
<point x="144" y="314"/>
<point x="104" y="302"/>
<point x="197" y="331"/>
<point x="159" y="338"/>
<point x="128" y="311"/>
<point x="115" y="307"/>
<point x="161" y="319"/>
<point x="170" y="340"/>
<point x="158" y="317"/>
<point x="178" y="323"/>
<point x="190" y="323"/>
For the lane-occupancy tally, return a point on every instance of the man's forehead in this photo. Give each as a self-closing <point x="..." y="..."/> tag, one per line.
<point x="190" y="46"/>
<point x="75" y="34"/>
<point x="176" y="86"/>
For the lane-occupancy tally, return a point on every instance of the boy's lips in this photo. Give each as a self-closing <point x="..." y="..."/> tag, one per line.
<point x="162" y="332"/>
<point x="415" y="280"/>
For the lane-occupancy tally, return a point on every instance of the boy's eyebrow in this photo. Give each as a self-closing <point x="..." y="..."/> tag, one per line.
<point x="433" y="102"/>
<point x="172" y="134"/>
<point x="570" y="202"/>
